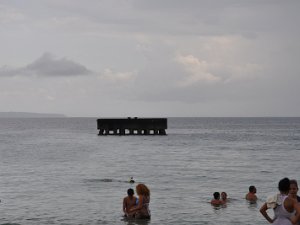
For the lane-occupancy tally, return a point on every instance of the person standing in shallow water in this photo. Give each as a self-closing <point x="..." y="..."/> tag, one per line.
<point x="129" y="202"/>
<point x="284" y="206"/>
<point x="141" y="210"/>
<point x="294" y="190"/>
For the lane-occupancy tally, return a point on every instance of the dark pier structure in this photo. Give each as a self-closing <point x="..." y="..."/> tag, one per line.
<point x="132" y="126"/>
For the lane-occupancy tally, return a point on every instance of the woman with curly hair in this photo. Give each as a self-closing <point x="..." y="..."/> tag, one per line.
<point x="141" y="210"/>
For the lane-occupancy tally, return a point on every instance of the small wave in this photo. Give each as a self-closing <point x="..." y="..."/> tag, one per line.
<point x="264" y="171"/>
<point x="104" y="180"/>
<point x="33" y="219"/>
<point x="10" y="224"/>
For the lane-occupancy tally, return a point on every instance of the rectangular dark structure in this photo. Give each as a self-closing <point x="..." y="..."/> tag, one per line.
<point x="132" y="126"/>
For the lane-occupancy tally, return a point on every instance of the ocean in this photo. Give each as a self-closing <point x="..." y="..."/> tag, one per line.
<point x="59" y="171"/>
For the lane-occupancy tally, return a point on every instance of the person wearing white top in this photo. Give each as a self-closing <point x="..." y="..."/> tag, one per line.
<point x="286" y="209"/>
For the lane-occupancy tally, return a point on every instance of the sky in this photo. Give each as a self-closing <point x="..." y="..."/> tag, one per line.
<point x="158" y="58"/>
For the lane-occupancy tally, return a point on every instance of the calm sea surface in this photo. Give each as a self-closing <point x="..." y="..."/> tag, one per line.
<point x="58" y="171"/>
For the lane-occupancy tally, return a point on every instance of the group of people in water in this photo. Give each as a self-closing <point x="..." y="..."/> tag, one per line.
<point x="286" y="204"/>
<point x="137" y="207"/>
<point x="221" y="199"/>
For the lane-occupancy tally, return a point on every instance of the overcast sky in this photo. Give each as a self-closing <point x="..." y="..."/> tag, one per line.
<point x="144" y="58"/>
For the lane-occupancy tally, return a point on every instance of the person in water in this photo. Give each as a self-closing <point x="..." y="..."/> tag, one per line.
<point x="216" y="200"/>
<point x="251" y="195"/>
<point x="294" y="190"/>
<point x="224" y="197"/>
<point x="141" y="210"/>
<point x="131" y="180"/>
<point x="284" y="206"/>
<point x="129" y="202"/>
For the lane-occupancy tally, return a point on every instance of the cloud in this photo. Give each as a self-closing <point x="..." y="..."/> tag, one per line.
<point x="210" y="72"/>
<point x="118" y="76"/>
<point x="198" y="70"/>
<point x="47" y="66"/>
<point x="10" y="15"/>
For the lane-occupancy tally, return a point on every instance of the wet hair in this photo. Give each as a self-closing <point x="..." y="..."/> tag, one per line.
<point x="284" y="185"/>
<point x="294" y="182"/>
<point x="142" y="189"/>
<point x="130" y="192"/>
<point x="216" y="195"/>
<point x="251" y="188"/>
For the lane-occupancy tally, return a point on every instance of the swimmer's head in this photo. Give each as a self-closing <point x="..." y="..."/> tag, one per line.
<point x="216" y="195"/>
<point x="131" y="180"/>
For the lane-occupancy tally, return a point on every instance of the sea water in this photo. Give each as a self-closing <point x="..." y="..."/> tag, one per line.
<point x="58" y="171"/>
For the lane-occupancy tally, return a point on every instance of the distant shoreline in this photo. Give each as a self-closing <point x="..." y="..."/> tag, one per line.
<point x="30" y="115"/>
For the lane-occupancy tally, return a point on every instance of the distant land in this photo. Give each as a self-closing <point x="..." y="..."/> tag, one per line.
<point x="29" y="115"/>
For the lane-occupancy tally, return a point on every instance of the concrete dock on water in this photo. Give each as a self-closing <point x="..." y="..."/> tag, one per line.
<point x="132" y="126"/>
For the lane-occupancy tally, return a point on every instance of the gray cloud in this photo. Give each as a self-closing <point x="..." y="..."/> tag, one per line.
<point x="48" y="66"/>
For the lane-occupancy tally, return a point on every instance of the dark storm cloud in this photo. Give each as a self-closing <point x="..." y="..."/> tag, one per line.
<point x="48" y="66"/>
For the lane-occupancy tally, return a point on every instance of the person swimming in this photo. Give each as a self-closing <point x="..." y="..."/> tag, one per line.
<point x="131" y="180"/>
<point x="216" y="201"/>
<point x="251" y="195"/>
<point x="224" y="197"/>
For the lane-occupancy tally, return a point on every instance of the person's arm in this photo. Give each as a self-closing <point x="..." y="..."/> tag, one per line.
<point x="139" y="206"/>
<point x="296" y="218"/>
<point x="255" y="197"/>
<point x="124" y="205"/>
<point x="263" y="211"/>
